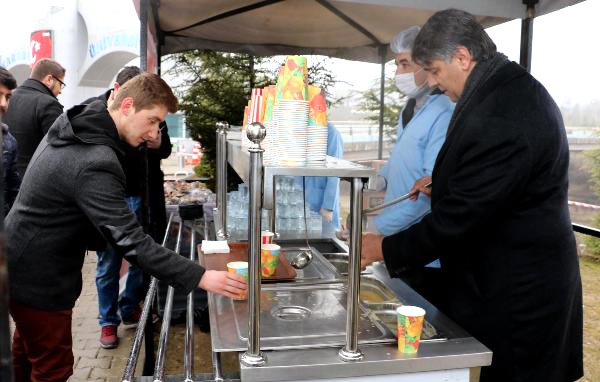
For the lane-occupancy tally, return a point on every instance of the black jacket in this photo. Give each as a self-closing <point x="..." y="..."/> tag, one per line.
<point x="500" y="224"/>
<point x="33" y="109"/>
<point x="133" y="165"/>
<point x="12" y="179"/>
<point x="74" y="191"/>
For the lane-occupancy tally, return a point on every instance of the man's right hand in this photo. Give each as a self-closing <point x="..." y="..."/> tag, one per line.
<point x="421" y="186"/>
<point x="224" y="283"/>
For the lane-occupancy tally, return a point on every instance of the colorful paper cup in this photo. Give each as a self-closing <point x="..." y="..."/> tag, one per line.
<point x="269" y="256"/>
<point x="410" y="326"/>
<point x="266" y="237"/>
<point x="240" y="268"/>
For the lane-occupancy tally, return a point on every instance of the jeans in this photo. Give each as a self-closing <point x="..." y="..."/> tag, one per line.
<point x="107" y="280"/>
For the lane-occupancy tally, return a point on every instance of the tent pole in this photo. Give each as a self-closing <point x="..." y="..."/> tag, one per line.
<point x="382" y="51"/>
<point x="148" y="329"/>
<point x="527" y="34"/>
<point x="144" y="35"/>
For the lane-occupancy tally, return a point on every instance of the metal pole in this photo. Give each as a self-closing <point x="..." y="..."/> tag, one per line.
<point x="188" y="356"/>
<point x="350" y="352"/>
<point x="273" y="211"/>
<point x="527" y="34"/>
<point x="253" y="357"/>
<point x="139" y="332"/>
<point x="382" y="51"/>
<point x="144" y="35"/>
<point x="159" y="367"/>
<point x="216" y="361"/>
<point x="222" y="180"/>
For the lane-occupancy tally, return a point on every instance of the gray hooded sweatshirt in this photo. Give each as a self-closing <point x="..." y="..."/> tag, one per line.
<point x="73" y="195"/>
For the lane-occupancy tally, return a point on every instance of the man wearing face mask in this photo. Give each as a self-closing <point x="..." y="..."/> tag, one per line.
<point x="421" y="132"/>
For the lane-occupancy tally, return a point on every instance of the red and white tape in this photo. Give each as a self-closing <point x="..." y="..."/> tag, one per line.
<point x="584" y="205"/>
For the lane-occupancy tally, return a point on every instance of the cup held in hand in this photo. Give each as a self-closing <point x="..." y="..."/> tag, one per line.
<point x="240" y="268"/>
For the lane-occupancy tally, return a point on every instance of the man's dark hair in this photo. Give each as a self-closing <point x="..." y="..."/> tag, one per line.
<point x="445" y="31"/>
<point x="7" y="79"/>
<point x="47" y="66"/>
<point x="127" y="73"/>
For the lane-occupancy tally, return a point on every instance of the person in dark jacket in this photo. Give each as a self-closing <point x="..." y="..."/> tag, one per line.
<point x="72" y="197"/>
<point x="109" y="262"/>
<point x="12" y="180"/>
<point x="499" y="218"/>
<point x="35" y="108"/>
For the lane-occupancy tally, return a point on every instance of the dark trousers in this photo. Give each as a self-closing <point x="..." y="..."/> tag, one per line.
<point x="42" y="344"/>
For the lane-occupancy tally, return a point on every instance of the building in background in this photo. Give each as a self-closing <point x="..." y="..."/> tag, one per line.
<point x="91" y="39"/>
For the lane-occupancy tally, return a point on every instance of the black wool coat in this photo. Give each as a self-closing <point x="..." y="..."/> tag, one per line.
<point x="33" y="109"/>
<point x="500" y="224"/>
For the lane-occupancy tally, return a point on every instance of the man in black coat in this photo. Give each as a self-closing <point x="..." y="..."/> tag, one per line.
<point x="499" y="218"/>
<point x="72" y="196"/>
<point x="34" y="108"/>
<point x="125" y="309"/>
<point x="12" y="180"/>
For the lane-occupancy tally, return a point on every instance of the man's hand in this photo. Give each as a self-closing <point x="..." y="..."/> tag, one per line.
<point x="224" y="283"/>
<point x="327" y="214"/>
<point x="420" y="186"/>
<point x="155" y="143"/>
<point x="370" y="249"/>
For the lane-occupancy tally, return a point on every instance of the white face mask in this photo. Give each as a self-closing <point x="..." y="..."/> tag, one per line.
<point x="405" y="82"/>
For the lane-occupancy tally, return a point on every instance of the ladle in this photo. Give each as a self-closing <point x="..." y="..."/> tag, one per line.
<point x="302" y="259"/>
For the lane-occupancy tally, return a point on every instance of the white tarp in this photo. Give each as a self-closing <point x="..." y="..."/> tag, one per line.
<point x="351" y="29"/>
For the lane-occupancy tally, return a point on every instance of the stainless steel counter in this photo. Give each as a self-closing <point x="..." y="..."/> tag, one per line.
<point x="299" y="354"/>
<point x="293" y="332"/>
<point x="379" y="360"/>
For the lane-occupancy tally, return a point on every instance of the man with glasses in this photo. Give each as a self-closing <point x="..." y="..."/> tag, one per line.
<point x="34" y="108"/>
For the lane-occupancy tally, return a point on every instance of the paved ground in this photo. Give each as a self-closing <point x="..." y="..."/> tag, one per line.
<point x="92" y="363"/>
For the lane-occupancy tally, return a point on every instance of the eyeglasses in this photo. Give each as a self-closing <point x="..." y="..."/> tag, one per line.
<point x="62" y="84"/>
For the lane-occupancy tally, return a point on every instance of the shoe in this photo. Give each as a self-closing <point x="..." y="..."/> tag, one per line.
<point x="108" y="337"/>
<point x="132" y="321"/>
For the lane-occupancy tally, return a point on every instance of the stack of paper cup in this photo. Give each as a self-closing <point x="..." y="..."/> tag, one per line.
<point x="291" y="118"/>
<point x="316" y="147"/>
<point x="256" y="105"/>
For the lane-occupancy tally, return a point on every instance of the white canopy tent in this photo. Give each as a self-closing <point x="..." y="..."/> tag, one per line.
<point x="351" y="29"/>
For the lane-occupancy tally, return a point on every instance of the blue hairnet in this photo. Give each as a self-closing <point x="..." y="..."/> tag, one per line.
<point x="404" y="40"/>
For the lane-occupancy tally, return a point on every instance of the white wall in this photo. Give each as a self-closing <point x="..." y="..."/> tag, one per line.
<point x="92" y="39"/>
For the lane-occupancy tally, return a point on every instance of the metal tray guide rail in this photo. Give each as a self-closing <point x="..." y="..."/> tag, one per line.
<point x="192" y="217"/>
<point x="261" y="179"/>
<point x="139" y="332"/>
<point x="253" y="356"/>
<point x="220" y="212"/>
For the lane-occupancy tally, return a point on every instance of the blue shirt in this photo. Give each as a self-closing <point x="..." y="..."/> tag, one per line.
<point x="324" y="192"/>
<point x="412" y="158"/>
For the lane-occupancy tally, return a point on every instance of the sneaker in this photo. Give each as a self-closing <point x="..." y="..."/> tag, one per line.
<point x="132" y="321"/>
<point x="108" y="337"/>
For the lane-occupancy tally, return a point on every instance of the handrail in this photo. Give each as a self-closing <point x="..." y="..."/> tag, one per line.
<point x="139" y="332"/>
<point x="159" y="367"/>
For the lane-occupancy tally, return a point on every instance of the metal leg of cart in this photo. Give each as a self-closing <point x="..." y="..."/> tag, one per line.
<point x="253" y="356"/>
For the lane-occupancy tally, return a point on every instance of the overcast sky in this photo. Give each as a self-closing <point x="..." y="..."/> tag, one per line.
<point x="566" y="53"/>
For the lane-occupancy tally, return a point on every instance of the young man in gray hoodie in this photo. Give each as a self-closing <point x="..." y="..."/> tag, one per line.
<point x="73" y="197"/>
